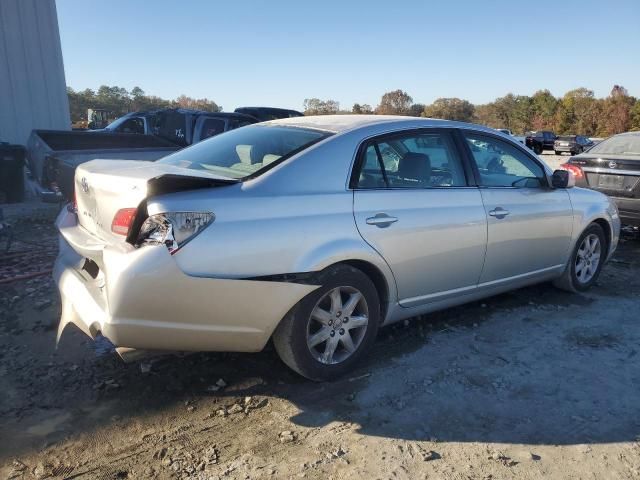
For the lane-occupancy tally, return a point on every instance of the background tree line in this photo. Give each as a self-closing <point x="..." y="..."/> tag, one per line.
<point x="118" y="101"/>
<point x="577" y="112"/>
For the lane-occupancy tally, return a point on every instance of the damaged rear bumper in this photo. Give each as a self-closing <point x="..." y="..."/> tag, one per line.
<point x="139" y="298"/>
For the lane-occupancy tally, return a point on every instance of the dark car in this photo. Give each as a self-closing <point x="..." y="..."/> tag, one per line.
<point x="613" y="168"/>
<point x="574" y="144"/>
<point x="264" y="114"/>
<point x="539" y="141"/>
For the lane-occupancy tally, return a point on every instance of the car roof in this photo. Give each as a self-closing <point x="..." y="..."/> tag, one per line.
<point x="344" y="123"/>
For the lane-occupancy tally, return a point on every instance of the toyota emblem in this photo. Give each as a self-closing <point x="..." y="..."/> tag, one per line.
<point x="85" y="185"/>
<point x="612" y="164"/>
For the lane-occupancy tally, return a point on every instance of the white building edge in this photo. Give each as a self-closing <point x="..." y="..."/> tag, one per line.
<point x="33" y="92"/>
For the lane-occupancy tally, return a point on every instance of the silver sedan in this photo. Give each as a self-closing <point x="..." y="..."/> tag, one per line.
<point x="316" y="231"/>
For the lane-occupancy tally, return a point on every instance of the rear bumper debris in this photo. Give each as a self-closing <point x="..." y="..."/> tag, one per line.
<point x="139" y="298"/>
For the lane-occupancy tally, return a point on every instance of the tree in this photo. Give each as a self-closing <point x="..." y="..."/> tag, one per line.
<point x="417" y="110"/>
<point x="543" y="110"/>
<point x="315" y="106"/>
<point x="617" y="111"/>
<point x="196" y="104"/>
<point x="361" y="109"/>
<point x="635" y="116"/>
<point x="578" y="112"/>
<point x="450" y="109"/>
<point x="397" y="102"/>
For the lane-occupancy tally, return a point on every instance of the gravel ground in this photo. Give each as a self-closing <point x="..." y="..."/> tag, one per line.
<point x="537" y="383"/>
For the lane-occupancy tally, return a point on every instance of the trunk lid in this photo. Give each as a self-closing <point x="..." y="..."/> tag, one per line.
<point x="615" y="175"/>
<point x="102" y="187"/>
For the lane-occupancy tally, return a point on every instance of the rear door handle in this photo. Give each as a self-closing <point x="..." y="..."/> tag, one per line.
<point x="499" y="212"/>
<point x="381" y="220"/>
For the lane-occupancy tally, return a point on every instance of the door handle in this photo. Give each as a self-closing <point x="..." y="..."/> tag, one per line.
<point x="381" y="220"/>
<point x="499" y="212"/>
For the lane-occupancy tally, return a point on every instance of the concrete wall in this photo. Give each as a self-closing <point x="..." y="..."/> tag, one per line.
<point x="33" y="92"/>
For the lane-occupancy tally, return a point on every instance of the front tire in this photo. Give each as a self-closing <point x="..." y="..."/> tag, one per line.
<point x="586" y="261"/>
<point x="330" y="329"/>
<point x="557" y="152"/>
<point x="537" y="149"/>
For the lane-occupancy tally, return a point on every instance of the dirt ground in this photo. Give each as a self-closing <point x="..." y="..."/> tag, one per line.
<point x="537" y="383"/>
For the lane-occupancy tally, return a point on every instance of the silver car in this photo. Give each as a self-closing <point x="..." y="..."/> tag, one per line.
<point x="316" y="231"/>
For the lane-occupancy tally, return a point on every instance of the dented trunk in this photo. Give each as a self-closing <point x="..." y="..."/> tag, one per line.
<point x="104" y="187"/>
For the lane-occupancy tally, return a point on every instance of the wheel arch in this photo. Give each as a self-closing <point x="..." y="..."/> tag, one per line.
<point x="378" y="279"/>
<point x="606" y="228"/>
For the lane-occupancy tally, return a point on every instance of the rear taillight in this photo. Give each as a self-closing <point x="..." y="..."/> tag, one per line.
<point x="173" y="229"/>
<point x="576" y="170"/>
<point x="122" y="221"/>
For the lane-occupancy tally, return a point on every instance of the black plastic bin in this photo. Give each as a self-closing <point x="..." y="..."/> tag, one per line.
<point x="12" y="172"/>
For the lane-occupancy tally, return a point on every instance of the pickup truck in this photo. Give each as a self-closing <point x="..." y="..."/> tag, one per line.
<point x="54" y="155"/>
<point x="539" y="141"/>
<point x="178" y="125"/>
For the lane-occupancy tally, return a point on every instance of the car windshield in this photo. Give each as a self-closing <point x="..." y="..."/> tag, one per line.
<point x="246" y="151"/>
<point x="618" y="145"/>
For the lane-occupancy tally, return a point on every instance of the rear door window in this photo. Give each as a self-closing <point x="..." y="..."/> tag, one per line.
<point x="413" y="160"/>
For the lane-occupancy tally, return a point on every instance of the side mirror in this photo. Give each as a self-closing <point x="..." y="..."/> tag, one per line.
<point x="563" y="179"/>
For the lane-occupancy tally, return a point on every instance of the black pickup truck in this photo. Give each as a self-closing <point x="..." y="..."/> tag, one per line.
<point x="178" y="125"/>
<point x="539" y="141"/>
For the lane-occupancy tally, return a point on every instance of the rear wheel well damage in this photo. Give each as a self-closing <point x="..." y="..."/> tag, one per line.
<point x="314" y="278"/>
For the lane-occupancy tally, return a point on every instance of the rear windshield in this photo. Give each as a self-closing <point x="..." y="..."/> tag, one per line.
<point x="246" y="151"/>
<point x="567" y="138"/>
<point x="618" y="145"/>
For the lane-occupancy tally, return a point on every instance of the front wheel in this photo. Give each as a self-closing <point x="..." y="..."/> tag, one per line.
<point x="586" y="261"/>
<point x="557" y="152"/>
<point x="537" y="149"/>
<point x="330" y="329"/>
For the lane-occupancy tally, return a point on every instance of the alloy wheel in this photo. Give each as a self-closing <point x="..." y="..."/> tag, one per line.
<point x="337" y="325"/>
<point x="588" y="258"/>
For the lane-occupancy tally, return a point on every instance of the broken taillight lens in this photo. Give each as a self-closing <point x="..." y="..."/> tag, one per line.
<point x="122" y="220"/>
<point x="173" y="229"/>
<point x="575" y="169"/>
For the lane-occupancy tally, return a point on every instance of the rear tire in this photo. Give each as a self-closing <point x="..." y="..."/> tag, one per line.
<point x="331" y="329"/>
<point x="586" y="261"/>
<point x="537" y="149"/>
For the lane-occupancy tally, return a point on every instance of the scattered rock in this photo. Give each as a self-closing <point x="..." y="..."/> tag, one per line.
<point x="145" y="366"/>
<point x="431" y="455"/>
<point x="236" y="408"/>
<point x="503" y="459"/>
<point x="534" y="457"/>
<point x="286" y="436"/>
<point x="210" y="457"/>
<point x="42" y="304"/>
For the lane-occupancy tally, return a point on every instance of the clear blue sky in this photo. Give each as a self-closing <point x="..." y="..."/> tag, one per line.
<point x="280" y="52"/>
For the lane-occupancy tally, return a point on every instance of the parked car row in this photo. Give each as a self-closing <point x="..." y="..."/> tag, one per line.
<point x="547" y="140"/>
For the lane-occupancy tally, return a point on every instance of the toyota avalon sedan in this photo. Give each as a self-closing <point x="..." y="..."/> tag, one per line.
<point x="315" y="232"/>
